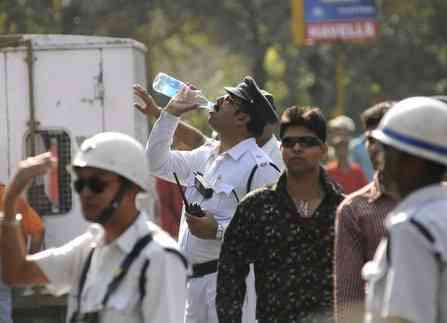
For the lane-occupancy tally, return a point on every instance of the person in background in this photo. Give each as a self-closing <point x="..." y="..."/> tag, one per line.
<point x="287" y="231"/>
<point x="32" y="224"/>
<point x="359" y="227"/>
<point x="169" y="202"/>
<point x="347" y="174"/>
<point x="407" y="280"/>
<point x="123" y="268"/>
<point x="358" y="154"/>
<point x="33" y="232"/>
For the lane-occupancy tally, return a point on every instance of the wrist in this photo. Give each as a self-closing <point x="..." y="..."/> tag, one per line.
<point x="10" y="221"/>
<point x="171" y="109"/>
<point x="157" y="111"/>
<point x="153" y="110"/>
<point x="10" y="199"/>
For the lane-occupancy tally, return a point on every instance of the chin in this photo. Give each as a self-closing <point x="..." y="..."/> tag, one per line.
<point x="300" y="170"/>
<point x="89" y="215"/>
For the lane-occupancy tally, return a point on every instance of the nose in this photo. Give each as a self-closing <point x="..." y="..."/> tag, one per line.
<point x="297" y="147"/>
<point x="219" y="102"/>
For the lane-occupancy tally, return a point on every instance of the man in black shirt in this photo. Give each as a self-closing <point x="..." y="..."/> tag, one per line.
<point x="287" y="231"/>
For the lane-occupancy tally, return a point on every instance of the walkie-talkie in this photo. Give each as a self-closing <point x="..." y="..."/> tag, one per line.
<point x="193" y="208"/>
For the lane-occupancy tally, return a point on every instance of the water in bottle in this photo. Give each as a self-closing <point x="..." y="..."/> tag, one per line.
<point x="169" y="86"/>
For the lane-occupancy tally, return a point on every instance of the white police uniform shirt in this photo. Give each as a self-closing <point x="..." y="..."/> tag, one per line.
<point x="226" y="173"/>
<point x="273" y="149"/>
<point x="166" y="275"/>
<point x="408" y="276"/>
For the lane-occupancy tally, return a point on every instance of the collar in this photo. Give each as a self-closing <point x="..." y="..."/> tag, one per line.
<point x="376" y="189"/>
<point x="127" y="239"/>
<point x="415" y="200"/>
<point x="331" y="189"/>
<point x="238" y="150"/>
<point x="271" y="144"/>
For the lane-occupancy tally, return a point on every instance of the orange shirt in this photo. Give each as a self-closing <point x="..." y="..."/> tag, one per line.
<point x="31" y="221"/>
<point x="350" y="180"/>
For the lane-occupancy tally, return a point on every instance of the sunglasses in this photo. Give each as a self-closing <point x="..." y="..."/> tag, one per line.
<point x="224" y="99"/>
<point x="304" y="141"/>
<point x="94" y="184"/>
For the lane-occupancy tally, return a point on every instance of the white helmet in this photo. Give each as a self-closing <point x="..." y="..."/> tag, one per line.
<point x="418" y="126"/>
<point x="117" y="153"/>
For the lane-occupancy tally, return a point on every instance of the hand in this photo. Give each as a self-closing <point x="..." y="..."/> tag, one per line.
<point x="184" y="101"/>
<point x="28" y="169"/>
<point x="150" y="107"/>
<point x="204" y="227"/>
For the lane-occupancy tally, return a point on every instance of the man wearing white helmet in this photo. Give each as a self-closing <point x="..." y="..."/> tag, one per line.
<point x="407" y="280"/>
<point x="124" y="268"/>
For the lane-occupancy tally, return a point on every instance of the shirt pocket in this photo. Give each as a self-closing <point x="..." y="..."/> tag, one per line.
<point x="191" y="193"/>
<point x="224" y="201"/>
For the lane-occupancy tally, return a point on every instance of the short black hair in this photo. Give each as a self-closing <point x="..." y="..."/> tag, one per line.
<point x="256" y="124"/>
<point x="371" y="117"/>
<point x="309" y="117"/>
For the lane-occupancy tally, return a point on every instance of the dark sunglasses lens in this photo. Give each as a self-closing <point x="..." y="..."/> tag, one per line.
<point x="310" y="141"/>
<point x="95" y="185"/>
<point x="306" y="142"/>
<point x="288" y="142"/>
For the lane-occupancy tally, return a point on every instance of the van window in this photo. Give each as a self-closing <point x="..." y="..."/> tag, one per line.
<point x="51" y="194"/>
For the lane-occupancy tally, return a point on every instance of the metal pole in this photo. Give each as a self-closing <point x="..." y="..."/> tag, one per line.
<point x="339" y="80"/>
<point x="32" y="123"/>
<point x="15" y="41"/>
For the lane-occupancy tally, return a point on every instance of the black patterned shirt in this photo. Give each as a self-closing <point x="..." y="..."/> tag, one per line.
<point x="292" y="256"/>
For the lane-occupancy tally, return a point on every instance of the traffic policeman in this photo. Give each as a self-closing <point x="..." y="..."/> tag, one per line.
<point x="124" y="268"/>
<point x="215" y="176"/>
<point x="407" y="280"/>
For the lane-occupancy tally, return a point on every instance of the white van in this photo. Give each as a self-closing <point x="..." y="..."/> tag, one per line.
<point x="56" y="90"/>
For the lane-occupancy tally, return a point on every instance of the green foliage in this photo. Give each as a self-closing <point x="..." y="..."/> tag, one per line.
<point x="215" y="43"/>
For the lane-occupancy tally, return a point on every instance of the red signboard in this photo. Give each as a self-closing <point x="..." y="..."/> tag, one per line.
<point x="335" y="31"/>
<point x="334" y="20"/>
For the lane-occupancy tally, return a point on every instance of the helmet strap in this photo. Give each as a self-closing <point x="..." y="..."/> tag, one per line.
<point x="106" y="213"/>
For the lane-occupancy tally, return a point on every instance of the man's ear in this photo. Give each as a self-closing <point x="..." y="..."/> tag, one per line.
<point x="242" y="117"/>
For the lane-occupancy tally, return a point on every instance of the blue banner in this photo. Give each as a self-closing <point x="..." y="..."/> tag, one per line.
<point x="321" y="11"/>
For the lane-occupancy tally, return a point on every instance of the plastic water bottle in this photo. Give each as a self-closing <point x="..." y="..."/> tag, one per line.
<point x="169" y="86"/>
